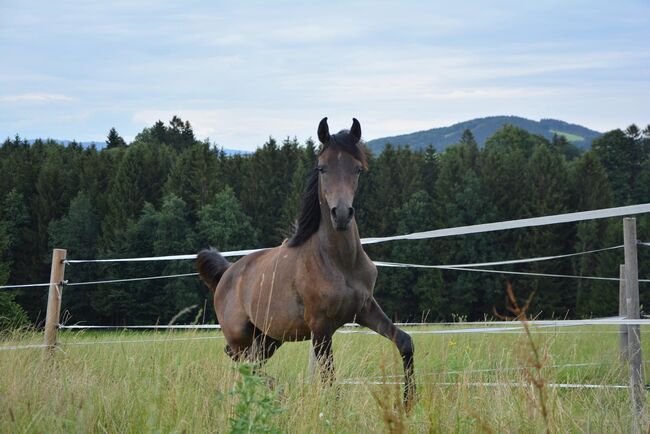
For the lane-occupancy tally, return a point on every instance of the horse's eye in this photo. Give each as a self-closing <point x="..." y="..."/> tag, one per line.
<point x="320" y="169"/>
<point x="359" y="170"/>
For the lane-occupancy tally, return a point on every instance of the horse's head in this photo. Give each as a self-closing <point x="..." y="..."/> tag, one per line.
<point x="339" y="165"/>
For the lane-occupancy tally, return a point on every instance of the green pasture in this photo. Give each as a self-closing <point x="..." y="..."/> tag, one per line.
<point x="570" y="137"/>
<point x="172" y="382"/>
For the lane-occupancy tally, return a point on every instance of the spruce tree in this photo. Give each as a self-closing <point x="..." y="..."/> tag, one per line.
<point x="114" y="140"/>
<point x="461" y="199"/>
<point x="78" y="232"/>
<point x="195" y="176"/>
<point x="224" y="225"/>
<point x="409" y="292"/>
<point x="140" y="178"/>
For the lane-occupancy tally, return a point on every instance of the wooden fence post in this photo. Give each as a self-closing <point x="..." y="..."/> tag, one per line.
<point x="622" y="312"/>
<point x="53" y="315"/>
<point x="633" y="312"/>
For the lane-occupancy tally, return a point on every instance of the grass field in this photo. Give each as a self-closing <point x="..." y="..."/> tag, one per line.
<point x="570" y="137"/>
<point x="183" y="382"/>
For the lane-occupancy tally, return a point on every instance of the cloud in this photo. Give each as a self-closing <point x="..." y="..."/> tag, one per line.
<point x="489" y="93"/>
<point x="235" y="128"/>
<point x="36" y="98"/>
<point x="239" y="71"/>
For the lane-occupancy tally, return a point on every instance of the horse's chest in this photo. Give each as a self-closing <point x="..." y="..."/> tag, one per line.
<point x="333" y="292"/>
<point x="343" y="300"/>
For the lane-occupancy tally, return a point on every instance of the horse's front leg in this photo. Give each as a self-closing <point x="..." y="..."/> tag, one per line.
<point x="321" y="340"/>
<point x="374" y="318"/>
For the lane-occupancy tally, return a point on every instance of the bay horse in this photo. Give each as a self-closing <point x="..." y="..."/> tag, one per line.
<point x="314" y="282"/>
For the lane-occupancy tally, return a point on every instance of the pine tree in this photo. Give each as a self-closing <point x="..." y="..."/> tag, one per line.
<point x="633" y="132"/>
<point x="503" y="166"/>
<point x="547" y="193"/>
<point x="623" y="157"/>
<point x="78" y="232"/>
<point x="195" y="176"/>
<point x="140" y="177"/>
<point x="429" y="169"/>
<point x="114" y="140"/>
<point x="266" y="182"/>
<point x="174" y="235"/>
<point x="561" y="145"/>
<point x="13" y="217"/>
<point x="468" y="139"/>
<point x="224" y="225"/>
<point x="179" y="135"/>
<point x="591" y="190"/>
<point x="462" y="200"/>
<point x="408" y="292"/>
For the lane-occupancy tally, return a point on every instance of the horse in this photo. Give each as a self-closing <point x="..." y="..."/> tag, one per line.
<point x="316" y="281"/>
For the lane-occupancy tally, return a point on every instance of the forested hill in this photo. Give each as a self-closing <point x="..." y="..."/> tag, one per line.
<point x="483" y="128"/>
<point x="167" y="193"/>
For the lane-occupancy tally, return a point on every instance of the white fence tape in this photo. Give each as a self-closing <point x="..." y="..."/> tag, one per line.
<point x="491" y="370"/>
<point x="160" y="258"/>
<point x="478" y="384"/>
<point x="527" y="260"/>
<point x="22" y="347"/>
<point x="520" y="223"/>
<point x="133" y="279"/>
<point x="483" y="270"/>
<point x="117" y="341"/>
<point x="462" y="230"/>
<point x="28" y="285"/>
<point x="497" y="327"/>
<point x="353" y="328"/>
<point x="527" y="273"/>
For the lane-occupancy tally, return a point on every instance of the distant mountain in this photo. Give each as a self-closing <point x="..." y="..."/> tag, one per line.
<point x="102" y="145"/>
<point x="231" y="152"/>
<point x="483" y="128"/>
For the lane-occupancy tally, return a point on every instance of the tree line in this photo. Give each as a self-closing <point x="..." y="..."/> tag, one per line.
<point x="168" y="193"/>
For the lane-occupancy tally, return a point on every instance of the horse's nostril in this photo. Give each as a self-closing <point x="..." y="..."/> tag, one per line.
<point x="334" y="212"/>
<point x="351" y="212"/>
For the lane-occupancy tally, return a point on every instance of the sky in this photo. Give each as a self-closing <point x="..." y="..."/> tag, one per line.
<point x="242" y="71"/>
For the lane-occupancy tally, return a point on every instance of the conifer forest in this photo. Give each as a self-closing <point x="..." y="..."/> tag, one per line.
<point x="168" y="193"/>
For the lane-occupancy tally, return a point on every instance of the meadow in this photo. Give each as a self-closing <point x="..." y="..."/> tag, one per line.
<point x="182" y="381"/>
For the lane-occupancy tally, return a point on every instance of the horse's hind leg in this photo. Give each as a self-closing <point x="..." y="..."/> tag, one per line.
<point x="247" y="343"/>
<point x="239" y="341"/>
<point x="374" y="318"/>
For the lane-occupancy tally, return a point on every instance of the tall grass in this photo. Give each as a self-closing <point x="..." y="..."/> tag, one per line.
<point x="183" y="382"/>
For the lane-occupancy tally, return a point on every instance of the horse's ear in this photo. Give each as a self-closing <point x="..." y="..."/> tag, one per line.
<point x="324" y="132"/>
<point x="355" y="131"/>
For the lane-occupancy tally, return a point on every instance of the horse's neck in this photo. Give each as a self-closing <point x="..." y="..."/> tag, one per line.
<point x="344" y="247"/>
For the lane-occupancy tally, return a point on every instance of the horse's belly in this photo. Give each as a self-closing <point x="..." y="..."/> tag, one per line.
<point x="280" y="316"/>
<point x="290" y="332"/>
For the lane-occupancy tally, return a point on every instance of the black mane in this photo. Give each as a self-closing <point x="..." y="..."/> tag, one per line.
<point x="309" y="219"/>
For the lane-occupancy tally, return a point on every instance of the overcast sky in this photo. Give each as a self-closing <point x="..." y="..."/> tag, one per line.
<point x="243" y="71"/>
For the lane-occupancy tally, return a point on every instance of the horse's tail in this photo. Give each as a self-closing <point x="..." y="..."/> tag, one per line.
<point x="211" y="266"/>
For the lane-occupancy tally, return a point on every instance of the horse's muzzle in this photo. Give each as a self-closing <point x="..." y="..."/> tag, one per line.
<point x="341" y="217"/>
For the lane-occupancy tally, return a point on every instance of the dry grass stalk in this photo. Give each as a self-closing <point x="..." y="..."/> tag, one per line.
<point x="535" y="360"/>
<point x="393" y="412"/>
